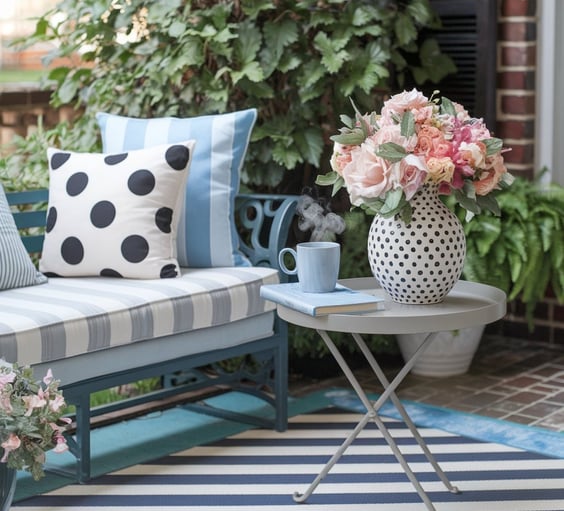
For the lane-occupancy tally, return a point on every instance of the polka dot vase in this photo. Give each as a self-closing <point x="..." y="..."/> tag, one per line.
<point x="419" y="262"/>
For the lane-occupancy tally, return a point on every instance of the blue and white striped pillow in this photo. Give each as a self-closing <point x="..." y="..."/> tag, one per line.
<point x="206" y="233"/>
<point x="16" y="268"/>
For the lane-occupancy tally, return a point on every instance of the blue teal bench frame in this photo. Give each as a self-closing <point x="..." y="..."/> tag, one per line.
<point x="264" y="222"/>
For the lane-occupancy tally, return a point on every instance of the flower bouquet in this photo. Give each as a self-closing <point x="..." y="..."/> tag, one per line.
<point x="384" y="159"/>
<point x="31" y="421"/>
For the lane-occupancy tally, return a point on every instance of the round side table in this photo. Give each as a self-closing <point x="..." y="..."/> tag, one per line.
<point x="468" y="304"/>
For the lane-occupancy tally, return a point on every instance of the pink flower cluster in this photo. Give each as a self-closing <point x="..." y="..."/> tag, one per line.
<point x="413" y="141"/>
<point x="31" y="419"/>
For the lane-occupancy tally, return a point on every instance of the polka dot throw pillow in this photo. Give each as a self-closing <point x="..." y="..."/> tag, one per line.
<point x="115" y="215"/>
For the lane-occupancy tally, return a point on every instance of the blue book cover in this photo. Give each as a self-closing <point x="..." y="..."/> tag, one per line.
<point x="340" y="301"/>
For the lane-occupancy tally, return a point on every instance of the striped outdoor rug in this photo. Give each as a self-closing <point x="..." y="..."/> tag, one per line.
<point x="260" y="470"/>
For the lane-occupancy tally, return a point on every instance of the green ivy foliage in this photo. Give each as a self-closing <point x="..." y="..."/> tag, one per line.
<point x="296" y="61"/>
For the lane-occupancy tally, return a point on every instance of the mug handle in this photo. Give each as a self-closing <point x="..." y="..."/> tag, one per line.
<point x="281" y="263"/>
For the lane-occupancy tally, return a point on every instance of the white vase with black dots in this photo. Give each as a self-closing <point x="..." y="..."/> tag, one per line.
<point x="419" y="262"/>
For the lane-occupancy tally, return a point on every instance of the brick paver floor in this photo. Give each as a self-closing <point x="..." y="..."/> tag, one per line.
<point x="509" y="379"/>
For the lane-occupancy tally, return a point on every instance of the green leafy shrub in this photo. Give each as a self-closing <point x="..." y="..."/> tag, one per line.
<point x="297" y="62"/>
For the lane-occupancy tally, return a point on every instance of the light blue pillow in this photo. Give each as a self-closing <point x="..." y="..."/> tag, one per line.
<point x="16" y="268"/>
<point x="207" y="236"/>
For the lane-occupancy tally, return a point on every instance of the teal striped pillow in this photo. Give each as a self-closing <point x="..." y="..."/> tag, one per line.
<point x="16" y="268"/>
<point x="206" y="233"/>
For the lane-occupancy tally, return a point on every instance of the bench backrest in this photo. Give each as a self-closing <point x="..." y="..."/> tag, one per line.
<point x="31" y="218"/>
<point x="263" y="222"/>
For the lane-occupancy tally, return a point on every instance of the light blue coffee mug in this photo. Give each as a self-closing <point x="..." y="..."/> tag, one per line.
<point x="316" y="264"/>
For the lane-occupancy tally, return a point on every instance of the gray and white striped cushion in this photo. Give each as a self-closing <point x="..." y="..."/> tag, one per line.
<point x="71" y="316"/>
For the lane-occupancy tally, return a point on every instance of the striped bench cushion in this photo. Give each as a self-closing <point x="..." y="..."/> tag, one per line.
<point x="72" y="316"/>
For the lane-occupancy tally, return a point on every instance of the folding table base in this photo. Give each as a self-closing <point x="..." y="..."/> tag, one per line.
<point x="372" y="415"/>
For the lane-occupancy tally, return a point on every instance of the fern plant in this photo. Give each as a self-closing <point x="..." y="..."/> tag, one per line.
<point x="522" y="250"/>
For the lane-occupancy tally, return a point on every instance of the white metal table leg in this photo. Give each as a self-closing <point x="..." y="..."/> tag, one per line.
<point x="372" y="414"/>
<point x="405" y="416"/>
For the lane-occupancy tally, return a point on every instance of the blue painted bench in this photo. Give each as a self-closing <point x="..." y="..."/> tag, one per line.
<point x="96" y="333"/>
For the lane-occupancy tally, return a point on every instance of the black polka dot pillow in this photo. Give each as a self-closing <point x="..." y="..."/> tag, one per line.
<point x="115" y="215"/>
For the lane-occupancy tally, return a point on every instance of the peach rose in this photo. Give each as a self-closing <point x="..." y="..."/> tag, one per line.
<point x="11" y="444"/>
<point x="440" y="169"/>
<point x="490" y="178"/>
<point x="432" y="143"/>
<point x="473" y="153"/>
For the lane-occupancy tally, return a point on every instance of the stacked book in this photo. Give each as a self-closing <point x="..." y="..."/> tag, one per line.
<point x="340" y="301"/>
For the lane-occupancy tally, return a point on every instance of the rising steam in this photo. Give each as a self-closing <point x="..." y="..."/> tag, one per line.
<point x="324" y="225"/>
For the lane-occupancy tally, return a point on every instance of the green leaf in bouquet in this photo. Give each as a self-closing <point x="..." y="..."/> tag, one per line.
<point x="330" y="179"/>
<point x="493" y="145"/>
<point x="392" y="152"/>
<point x="488" y="203"/>
<point x="407" y="124"/>
<point x="466" y="202"/>
<point x="393" y="203"/>
<point x="447" y="106"/>
<point x="355" y="137"/>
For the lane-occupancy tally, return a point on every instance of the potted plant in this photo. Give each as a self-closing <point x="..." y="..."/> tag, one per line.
<point x="521" y="251"/>
<point x="31" y="423"/>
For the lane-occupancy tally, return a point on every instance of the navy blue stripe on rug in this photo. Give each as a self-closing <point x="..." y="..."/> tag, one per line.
<point x="261" y="469"/>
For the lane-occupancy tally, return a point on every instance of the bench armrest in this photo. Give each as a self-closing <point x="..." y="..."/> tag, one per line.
<point x="264" y="222"/>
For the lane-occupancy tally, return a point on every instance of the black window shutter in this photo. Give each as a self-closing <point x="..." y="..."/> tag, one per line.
<point x="469" y="36"/>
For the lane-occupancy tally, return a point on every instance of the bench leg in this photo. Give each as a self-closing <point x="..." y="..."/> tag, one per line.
<point x="79" y="446"/>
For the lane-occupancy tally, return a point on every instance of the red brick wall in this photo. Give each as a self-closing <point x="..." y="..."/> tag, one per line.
<point x="21" y="109"/>
<point x="517" y="48"/>
<point x="516" y="97"/>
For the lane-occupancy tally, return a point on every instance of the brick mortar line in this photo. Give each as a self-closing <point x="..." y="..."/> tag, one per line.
<point x="513" y="19"/>
<point x="502" y="68"/>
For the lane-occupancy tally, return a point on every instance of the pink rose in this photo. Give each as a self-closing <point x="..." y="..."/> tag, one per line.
<point x="400" y="103"/>
<point x="61" y="444"/>
<point x="392" y="133"/>
<point x="48" y="378"/>
<point x="7" y="378"/>
<point x="11" y="444"/>
<point x="341" y="157"/>
<point x="60" y="441"/>
<point x="409" y="174"/>
<point x="56" y="404"/>
<point x="34" y="401"/>
<point x="367" y="175"/>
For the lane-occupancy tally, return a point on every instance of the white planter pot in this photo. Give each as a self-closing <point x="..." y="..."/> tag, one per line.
<point x="449" y="354"/>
